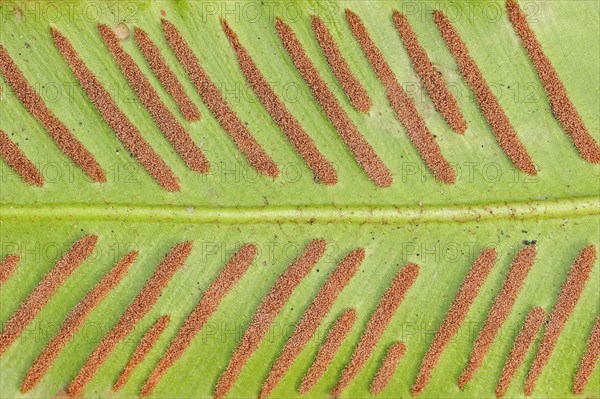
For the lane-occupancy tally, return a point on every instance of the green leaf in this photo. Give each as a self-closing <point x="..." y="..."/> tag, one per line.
<point x="417" y="219"/>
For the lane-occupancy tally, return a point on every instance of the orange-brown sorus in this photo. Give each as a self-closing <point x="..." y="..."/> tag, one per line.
<point x="381" y="317"/>
<point x="404" y="106"/>
<point x="312" y="318"/>
<point x="59" y="132"/>
<point x="519" y="269"/>
<point x="268" y="309"/>
<point x="215" y="102"/>
<point x="126" y="132"/>
<point x="432" y="80"/>
<point x="304" y="144"/>
<point x="328" y="349"/>
<point x="74" y="321"/>
<point x="164" y="74"/>
<point x="533" y="323"/>
<point x="388" y="367"/>
<point x="354" y="90"/>
<point x="567" y="299"/>
<point x="8" y="266"/>
<point x="16" y="159"/>
<point x="456" y="314"/>
<point x="488" y="103"/>
<point x="41" y="294"/>
<point x="144" y="346"/>
<point x="589" y="360"/>
<point x="362" y="150"/>
<point x="206" y="306"/>
<point x="561" y="105"/>
<point x="166" y="121"/>
<point x="141" y="305"/>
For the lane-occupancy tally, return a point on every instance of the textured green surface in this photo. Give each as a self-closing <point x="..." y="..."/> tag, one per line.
<point x="417" y="219"/>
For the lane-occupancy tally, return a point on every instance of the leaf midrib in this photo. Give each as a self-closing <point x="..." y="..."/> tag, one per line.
<point x="356" y="214"/>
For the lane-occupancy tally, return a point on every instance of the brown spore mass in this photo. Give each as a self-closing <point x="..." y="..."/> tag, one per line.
<point x="16" y="159"/>
<point x="74" y="321"/>
<point x="465" y="297"/>
<point x="488" y="103"/>
<point x="388" y="367"/>
<point x="381" y="317"/>
<point x="57" y="130"/>
<point x="7" y="267"/>
<point x="214" y="100"/>
<point x="126" y="132"/>
<point x="432" y="80"/>
<point x="403" y="105"/>
<point x="356" y="93"/>
<point x="140" y="306"/>
<point x="268" y="309"/>
<point x="589" y="360"/>
<point x="164" y="74"/>
<point x="40" y="296"/>
<point x="362" y="150"/>
<point x="166" y="121"/>
<point x="519" y="269"/>
<point x="567" y="299"/>
<point x="328" y="349"/>
<point x="145" y="345"/>
<point x="208" y="304"/>
<point x="303" y="143"/>
<point x="312" y="318"/>
<point x="561" y="105"/>
<point x="533" y="323"/>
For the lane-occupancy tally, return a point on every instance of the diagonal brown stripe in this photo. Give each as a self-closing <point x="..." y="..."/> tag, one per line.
<point x="519" y="269"/>
<point x="142" y="350"/>
<point x="141" y="305"/>
<point x="60" y="133"/>
<point x="213" y="99"/>
<point x="328" y="349"/>
<point x="380" y="319"/>
<point x="533" y="323"/>
<point x="362" y="150"/>
<point x="40" y="296"/>
<point x="114" y="117"/>
<point x="164" y="74"/>
<point x="465" y="297"/>
<point x="442" y="98"/>
<point x="7" y="267"/>
<point x="74" y="321"/>
<point x="312" y="318"/>
<point x="294" y="132"/>
<point x="354" y="90"/>
<point x="208" y="304"/>
<point x="562" y="107"/>
<point x="268" y="309"/>
<point x="488" y="103"/>
<point x="166" y="121"/>
<point x="388" y="367"/>
<point x="15" y="158"/>
<point x="567" y="299"/>
<point x="404" y="106"/>
<point x="588" y="361"/>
